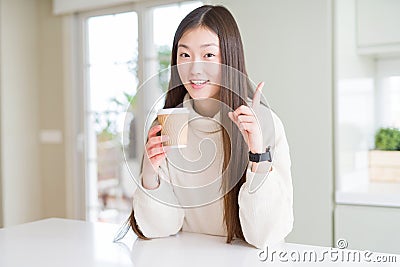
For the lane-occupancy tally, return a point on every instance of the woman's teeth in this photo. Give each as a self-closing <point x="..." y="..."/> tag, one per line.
<point x="198" y="82"/>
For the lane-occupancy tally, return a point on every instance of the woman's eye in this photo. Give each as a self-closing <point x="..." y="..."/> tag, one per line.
<point x="209" y="55"/>
<point x="184" y="55"/>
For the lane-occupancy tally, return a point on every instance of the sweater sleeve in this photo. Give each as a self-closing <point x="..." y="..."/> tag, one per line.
<point x="266" y="202"/>
<point x="157" y="211"/>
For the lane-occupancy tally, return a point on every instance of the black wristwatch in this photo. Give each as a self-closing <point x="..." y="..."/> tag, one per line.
<point x="256" y="157"/>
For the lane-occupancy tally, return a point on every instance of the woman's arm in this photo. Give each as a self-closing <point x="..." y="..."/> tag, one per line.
<point x="266" y="214"/>
<point x="157" y="211"/>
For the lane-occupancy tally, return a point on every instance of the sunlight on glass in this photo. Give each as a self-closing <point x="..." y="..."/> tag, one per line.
<point x="355" y="130"/>
<point x="113" y="46"/>
<point x="391" y="100"/>
<point x="167" y="19"/>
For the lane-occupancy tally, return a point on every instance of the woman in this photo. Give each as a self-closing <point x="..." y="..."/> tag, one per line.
<point x="207" y="54"/>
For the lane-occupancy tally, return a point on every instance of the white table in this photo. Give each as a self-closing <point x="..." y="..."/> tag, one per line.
<point x="60" y="242"/>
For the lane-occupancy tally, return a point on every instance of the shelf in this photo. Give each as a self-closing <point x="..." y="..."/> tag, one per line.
<point x="371" y="194"/>
<point x="381" y="51"/>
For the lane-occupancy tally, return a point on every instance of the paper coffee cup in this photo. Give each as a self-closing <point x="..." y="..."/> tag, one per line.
<point x="174" y="122"/>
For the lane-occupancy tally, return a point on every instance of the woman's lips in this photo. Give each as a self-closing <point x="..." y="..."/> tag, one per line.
<point x="198" y="84"/>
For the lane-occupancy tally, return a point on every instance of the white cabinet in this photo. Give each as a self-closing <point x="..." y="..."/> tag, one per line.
<point x="378" y="27"/>
<point x="368" y="228"/>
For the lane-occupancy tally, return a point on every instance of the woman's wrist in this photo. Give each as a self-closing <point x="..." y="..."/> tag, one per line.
<point x="152" y="183"/>
<point x="150" y="177"/>
<point x="257" y="151"/>
<point x="257" y="148"/>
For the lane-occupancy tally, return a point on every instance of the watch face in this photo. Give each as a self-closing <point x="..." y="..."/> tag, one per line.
<point x="254" y="157"/>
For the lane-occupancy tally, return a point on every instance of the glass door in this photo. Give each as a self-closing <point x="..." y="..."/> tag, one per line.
<point x="111" y="84"/>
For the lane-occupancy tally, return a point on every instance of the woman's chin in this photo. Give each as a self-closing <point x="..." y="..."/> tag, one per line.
<point x="201" y="94"/>
<point x="197" y="94"/>
<point x="201" y="97"/>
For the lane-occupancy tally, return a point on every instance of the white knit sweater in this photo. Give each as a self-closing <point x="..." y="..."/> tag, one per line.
<point x="189" y="197"/>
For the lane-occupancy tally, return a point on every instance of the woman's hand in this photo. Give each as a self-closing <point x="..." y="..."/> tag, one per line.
<point x="155" y="153"/>
<point x="249" y="125"/>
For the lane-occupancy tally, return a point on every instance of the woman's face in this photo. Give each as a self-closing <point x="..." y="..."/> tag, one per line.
<point x="199" y="60"/>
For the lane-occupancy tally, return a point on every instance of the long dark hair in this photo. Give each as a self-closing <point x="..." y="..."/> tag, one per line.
<point x="235" y="89"/>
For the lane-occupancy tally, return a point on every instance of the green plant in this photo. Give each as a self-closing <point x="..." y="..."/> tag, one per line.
<point x="164" y="61"/>
<point x="104" y="125"/>
<point x="387" y="139"/>
<point x="128" y="99"/>
<point x="105" y="122"/>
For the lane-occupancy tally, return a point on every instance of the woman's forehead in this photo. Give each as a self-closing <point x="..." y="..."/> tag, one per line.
<point x="199" y="37"/>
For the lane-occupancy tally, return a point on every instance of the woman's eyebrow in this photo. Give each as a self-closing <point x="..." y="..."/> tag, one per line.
<point x="204" y="45"/>
<point x="210" y="44"/>
<point x="183" y="45"/>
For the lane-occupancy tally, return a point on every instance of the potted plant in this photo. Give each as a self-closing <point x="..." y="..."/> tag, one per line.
<point x="109" y="144"/>
<point x="384" y="160"/>
<point x="128" y="104"/>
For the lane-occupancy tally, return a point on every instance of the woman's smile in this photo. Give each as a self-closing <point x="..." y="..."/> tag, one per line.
<point x="199" y="84"/>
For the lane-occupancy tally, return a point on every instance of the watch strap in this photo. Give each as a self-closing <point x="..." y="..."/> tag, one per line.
<point x="259" y="157"/>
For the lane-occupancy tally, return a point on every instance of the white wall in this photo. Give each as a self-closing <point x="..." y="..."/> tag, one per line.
<point x="1" y="172"/>
<point x="348" y="64"/>
<point x="70" y="6"/>
<point x="22" y="184"/>
<point x="51" y="109"/>
<point x="32" y="100"/>
<point x="289" y="46"/>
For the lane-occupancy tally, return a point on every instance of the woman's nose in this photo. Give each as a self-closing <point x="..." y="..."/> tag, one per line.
<point x="196" y="67"/>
